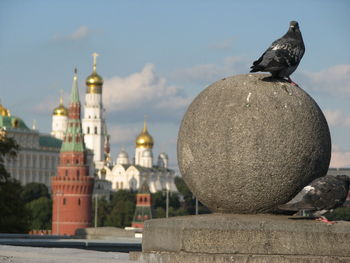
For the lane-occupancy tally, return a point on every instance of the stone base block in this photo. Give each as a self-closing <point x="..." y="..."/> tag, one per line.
<point x="244" y="238"/>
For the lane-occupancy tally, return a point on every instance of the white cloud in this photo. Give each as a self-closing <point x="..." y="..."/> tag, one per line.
<point x="336" y="118"/>
<point x="143" y="89"/>
<point x="340" y="158"/>
<point x="334" y="80"/>
<point x="79" y="33"/>
<point x="212" y="72"/>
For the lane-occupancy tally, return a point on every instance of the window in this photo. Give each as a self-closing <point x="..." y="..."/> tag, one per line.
<point x="78" y="173"/>
<point x="88" y="129"/>
<point x="64" y="201"/>
<point x="79" y="202"/>
<point x="95" y="130"/>
<point x="66" y="172"/>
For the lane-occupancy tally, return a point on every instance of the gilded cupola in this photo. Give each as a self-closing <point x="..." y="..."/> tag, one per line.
<point x="144" y="140"/>
<point x="60" y="110"/>
<point x="4" y="111"/>
<point x="94" y="82"/>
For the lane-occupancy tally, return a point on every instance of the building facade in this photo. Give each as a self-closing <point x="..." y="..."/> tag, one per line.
<point x="127" y="175"/>
<point x="72" y="187"/>
<point x="38" y="155"/>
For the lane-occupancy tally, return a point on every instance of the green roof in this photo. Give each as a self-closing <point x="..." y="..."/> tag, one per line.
<point x="49" y="141"/>
<point x="12" y="123"/>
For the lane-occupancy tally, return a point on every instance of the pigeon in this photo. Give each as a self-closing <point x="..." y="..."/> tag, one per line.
<point x="320" y="196"/>
<point x="283" y="56"/>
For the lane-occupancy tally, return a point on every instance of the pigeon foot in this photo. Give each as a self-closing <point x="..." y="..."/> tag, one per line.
<point x="325" y="220"/>
<point x="292" y="82"/>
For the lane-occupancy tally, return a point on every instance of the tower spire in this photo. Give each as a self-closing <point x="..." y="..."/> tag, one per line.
<point x="144" y="124"/>
<point x="75" y="92"/>
<point x="94" y="55"/>
<point x="61" y="97"/>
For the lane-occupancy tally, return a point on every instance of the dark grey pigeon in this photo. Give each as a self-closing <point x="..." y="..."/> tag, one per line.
<point x="283" y="56"/>
<point x="320" y="196"/>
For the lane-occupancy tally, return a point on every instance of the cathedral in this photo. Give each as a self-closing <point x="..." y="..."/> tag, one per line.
<point x="121" y="173"/>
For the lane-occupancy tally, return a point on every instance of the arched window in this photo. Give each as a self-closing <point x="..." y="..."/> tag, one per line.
<point x="88" y="129"/>
<point x="117" y="185"/>
<point x="95" y="130"/>
<point x="79" y="202"/>
<point x="64" y="201"/>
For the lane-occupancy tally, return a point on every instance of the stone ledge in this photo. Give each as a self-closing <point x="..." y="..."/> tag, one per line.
<point x="248" y="235"/>
<point x="183" y="257"/>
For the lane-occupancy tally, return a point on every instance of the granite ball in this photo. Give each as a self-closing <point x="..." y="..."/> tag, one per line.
<point x="249" y="143"/>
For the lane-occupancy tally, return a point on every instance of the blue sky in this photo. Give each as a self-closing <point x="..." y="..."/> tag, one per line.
<point x="156" y="56"/>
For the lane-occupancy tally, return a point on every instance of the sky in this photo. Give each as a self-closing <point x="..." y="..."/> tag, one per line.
<point x="157" y="56"/>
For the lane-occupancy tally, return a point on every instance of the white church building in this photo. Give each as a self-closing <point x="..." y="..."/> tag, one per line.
<point x="121" y="174"/>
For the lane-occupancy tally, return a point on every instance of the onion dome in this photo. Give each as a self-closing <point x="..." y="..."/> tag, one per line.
<point x="60" y="110"/>
<point x="4" y="111"/>
<point x="144" y="140"/>
<point x="94" y="82"/>
<point x="123" y="154"/>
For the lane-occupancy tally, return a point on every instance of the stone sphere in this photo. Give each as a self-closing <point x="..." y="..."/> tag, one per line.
<point x="248" y="144"/>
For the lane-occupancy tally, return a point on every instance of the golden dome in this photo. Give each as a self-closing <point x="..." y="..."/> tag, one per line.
<point x="94" y="82"/>
<point x="144" y="140"/>
<point x="60" y="110"/>
<point x="4" y="111"/>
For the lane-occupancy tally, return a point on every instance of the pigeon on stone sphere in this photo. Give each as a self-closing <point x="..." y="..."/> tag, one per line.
<point x="283" y="56"/>
<point x="320" y="196"/>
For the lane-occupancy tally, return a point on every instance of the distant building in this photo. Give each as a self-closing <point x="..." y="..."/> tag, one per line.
<point x="143" y="209"/>
<point x="38" y="156"/>
<point x="93" y="123"/>
<point x="72" y="187"/>
<point x="128" y="175"/>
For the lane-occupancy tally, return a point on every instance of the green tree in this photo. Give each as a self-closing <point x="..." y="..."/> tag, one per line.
<point x="13" y="214"/>
<point x="103" y="209"/>
<point x="189" y="201"/>
<point x="33" y="191"/>
<point x="159" y="204"/>
<point x="40" y="213"/>
<point x="122" y="208"/>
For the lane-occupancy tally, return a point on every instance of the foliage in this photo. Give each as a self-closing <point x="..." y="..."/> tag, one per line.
<point x="189" y="200"/>
<point x="122" y="208"/>
<point x="40" y="213"/>
<point x="103" y="209"/>
<point x="13" y="214"/>
<point x="8" y="148"/>
<point x="33" y="191"/>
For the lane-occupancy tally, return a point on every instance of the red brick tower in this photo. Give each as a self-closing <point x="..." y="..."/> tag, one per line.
<point x="143" y="209"/>
<point x="72" y="187"/>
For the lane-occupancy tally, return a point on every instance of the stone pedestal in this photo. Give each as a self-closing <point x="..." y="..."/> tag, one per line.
<point x="244" y="238"/>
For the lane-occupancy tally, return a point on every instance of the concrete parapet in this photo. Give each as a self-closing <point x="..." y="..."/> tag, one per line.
<point x="244" y="238"/>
